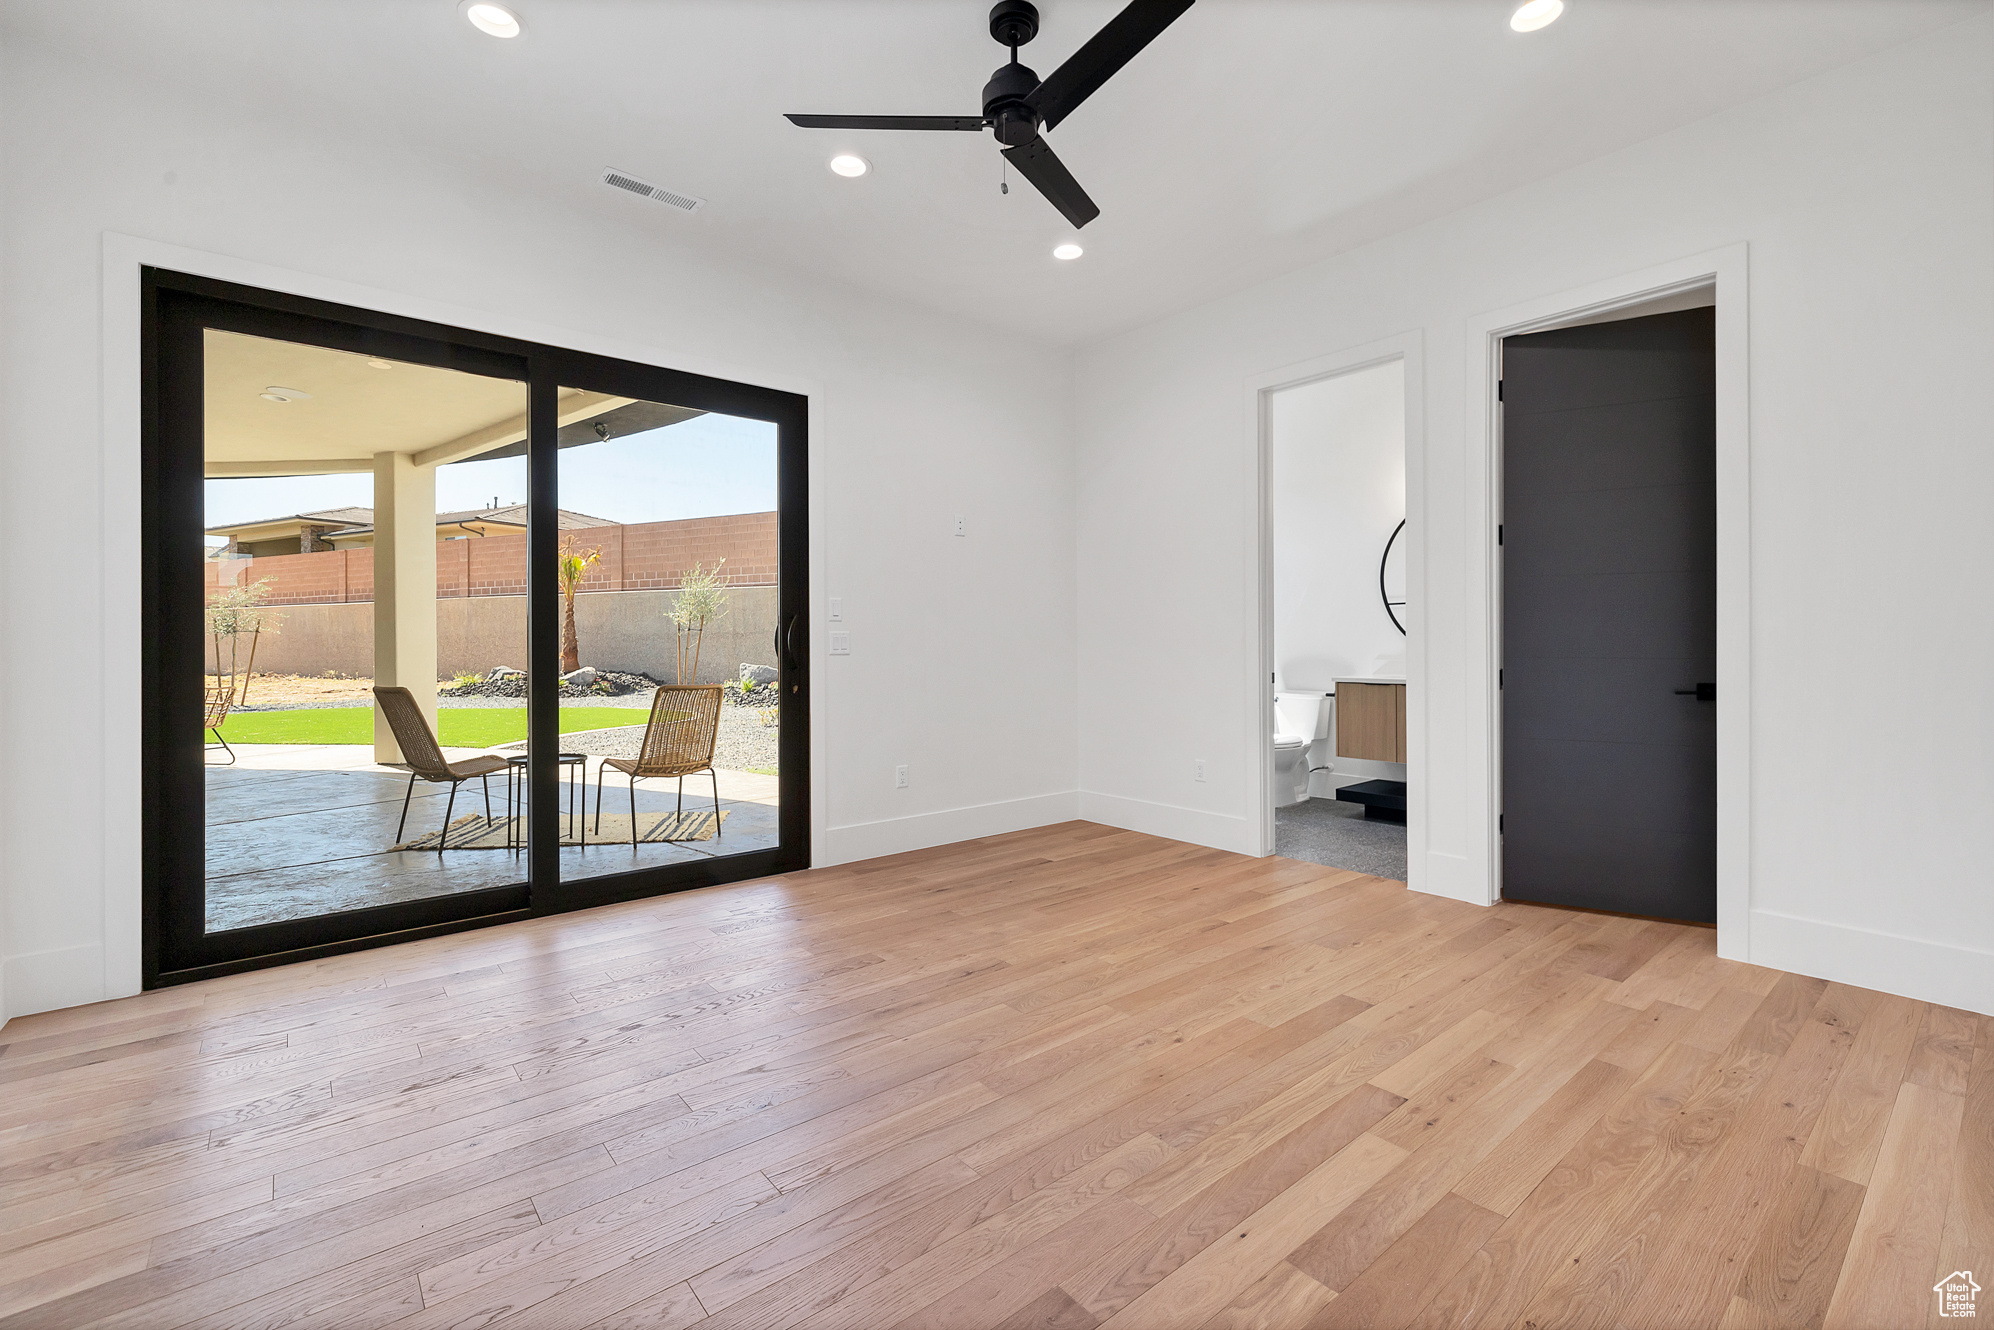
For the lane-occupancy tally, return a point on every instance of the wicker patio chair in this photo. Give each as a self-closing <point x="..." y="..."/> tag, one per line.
<point x="678" y="741"/>
<point x="220" y="698"/>
<point x="424" y="757"/>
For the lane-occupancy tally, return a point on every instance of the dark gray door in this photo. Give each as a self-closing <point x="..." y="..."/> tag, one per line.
<point x="1609" y="622"/>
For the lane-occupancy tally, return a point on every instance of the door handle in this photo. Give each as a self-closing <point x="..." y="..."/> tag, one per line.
<point x="785" y="642"/>
<point x="1703" y="692"/>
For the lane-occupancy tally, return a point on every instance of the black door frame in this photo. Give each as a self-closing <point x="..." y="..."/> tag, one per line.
<point x="176" y="308"/>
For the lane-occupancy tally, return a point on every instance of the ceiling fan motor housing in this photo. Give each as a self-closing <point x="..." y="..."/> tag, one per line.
<point x="1014" y="22"/>
<point x="1004" y="104"/>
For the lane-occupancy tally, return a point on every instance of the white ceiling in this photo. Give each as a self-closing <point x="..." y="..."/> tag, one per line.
<point x="1253" y="137"/>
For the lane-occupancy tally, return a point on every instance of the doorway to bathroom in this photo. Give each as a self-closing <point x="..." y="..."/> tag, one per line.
<point x="1340" y="611"/>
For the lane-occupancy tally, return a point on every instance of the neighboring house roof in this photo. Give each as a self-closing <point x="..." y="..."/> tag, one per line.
<point x="513" y="516"/>
<point x="360" y="521"/>
<point x="329" y="517"/>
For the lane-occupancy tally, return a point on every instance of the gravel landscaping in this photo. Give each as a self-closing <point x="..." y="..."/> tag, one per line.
<point x="596" y="685"/>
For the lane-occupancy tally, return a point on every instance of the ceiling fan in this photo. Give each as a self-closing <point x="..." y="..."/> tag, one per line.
<point x="1018" y="105"/>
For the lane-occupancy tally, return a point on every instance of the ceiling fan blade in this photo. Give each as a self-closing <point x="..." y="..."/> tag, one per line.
<point x="969" y="122"/>
<point x="1103" y="55"/>
<point x="1035" y="162"/>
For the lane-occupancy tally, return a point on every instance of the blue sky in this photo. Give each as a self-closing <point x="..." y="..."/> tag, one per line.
<point x="702" y="467"/>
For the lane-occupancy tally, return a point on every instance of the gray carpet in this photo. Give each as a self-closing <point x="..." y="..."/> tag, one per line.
<point x="1323" y="831"/>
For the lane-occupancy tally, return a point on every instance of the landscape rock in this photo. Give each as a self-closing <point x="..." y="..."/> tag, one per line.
<point x="507" y="682"/>
<point x="758" y="674"/>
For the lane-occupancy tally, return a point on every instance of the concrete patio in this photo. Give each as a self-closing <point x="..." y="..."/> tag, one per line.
<point x="296" y="831"/>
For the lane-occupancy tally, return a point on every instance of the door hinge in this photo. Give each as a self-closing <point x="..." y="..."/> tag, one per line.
<point x="1498" y="824"/>
<point x="1498" y="390"/>
<point x="1498" y="533"/>
<point x="1498" y="680"/>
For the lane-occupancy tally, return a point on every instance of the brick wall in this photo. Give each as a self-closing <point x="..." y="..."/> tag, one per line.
<point x="645" y="556"/>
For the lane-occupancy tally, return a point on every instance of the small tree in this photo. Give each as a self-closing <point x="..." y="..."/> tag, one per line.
<point x="573" y="567"/>
<point x="701" y="600"/>
<point x="236" y="612"/>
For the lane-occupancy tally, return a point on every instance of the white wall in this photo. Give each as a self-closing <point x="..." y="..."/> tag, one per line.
<point x="1866" y="197"/>
<point x="916" y="418"/>
<point x="1336" y="490"/>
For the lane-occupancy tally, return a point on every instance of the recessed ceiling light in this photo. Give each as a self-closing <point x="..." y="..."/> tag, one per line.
<point x="381" y="364"/>
<point x="850" y="165"/>
<point x="1534" y="14"/>
<point x="1067" y="251"/>
<point x="275" y="394"/>
<point x="490" y="19"/>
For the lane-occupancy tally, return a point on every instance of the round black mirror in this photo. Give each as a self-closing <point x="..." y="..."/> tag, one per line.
<point x="1391" y="577"/>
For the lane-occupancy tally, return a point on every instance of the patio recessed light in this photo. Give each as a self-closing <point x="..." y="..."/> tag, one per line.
<point x="1067" y="252"/>
<point x="490" y="19"/>
<point x="274" y="394"/>
<point x="1534" y="14"/>
<point x="850" y="165"/>
<point x="381" y="364"/>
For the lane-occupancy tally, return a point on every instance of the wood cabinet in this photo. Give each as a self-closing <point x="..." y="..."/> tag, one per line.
<point x="1370" y="721"/>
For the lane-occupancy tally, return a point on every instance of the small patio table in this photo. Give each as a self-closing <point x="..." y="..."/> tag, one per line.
<point x="575" y="771"/>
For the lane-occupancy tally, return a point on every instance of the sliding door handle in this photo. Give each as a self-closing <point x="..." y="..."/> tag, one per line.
<point x="785" y="642"/>
<point x="1703" y="692"/>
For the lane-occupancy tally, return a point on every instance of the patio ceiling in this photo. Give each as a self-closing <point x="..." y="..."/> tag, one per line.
<point x="356" y="409"/>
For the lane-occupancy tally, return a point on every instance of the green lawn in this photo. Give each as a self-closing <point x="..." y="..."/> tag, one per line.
<point x="457" y="727"/>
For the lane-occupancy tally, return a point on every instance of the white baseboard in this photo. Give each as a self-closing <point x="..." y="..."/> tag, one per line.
<point x="1910" y="967"/>
<point x="1219" y="831"/>
<point x="918" y="831"/>
<point x="48" y="980"/>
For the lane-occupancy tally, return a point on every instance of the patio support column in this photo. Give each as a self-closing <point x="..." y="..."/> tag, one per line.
<point x="404" y="587"/>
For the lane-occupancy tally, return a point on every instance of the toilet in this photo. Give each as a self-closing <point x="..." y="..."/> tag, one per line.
<point x="1300" y="721"/>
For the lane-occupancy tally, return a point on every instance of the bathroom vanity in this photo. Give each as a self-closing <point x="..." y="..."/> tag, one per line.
<point x="1370" y="724"/>
<point x="1370" y="719"/>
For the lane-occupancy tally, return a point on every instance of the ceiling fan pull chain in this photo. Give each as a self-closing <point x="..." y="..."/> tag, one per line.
<point x="1004" y="176"/>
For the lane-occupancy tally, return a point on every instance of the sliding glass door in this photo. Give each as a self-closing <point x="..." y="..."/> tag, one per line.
<point x="442" y="623"/>
<point x="679" y="722"/>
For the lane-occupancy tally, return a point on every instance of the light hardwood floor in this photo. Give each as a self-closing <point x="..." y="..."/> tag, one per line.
<point x="1060" y="1079"/>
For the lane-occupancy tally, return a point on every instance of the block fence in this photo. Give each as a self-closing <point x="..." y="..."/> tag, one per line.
<point x="642" y="556"/>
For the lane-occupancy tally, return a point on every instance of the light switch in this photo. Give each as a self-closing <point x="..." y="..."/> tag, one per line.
<point x="841" y="644"/>
<point x="837" y="609"/>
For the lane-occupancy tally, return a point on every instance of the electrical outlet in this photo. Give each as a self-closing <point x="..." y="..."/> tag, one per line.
<point x="841" y="644"/>
<point x="961" y="528"/>
<point x="837" y="609"/>
<point x="900" y="777"/>
<point x="1198" y="768"/>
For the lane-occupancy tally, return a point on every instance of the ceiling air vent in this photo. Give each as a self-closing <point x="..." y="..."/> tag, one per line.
<point x="644" y="189"/>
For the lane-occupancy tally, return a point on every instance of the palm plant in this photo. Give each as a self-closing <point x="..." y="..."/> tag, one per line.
<point x="573" y="567"/>
<point x="701" y="600"/>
